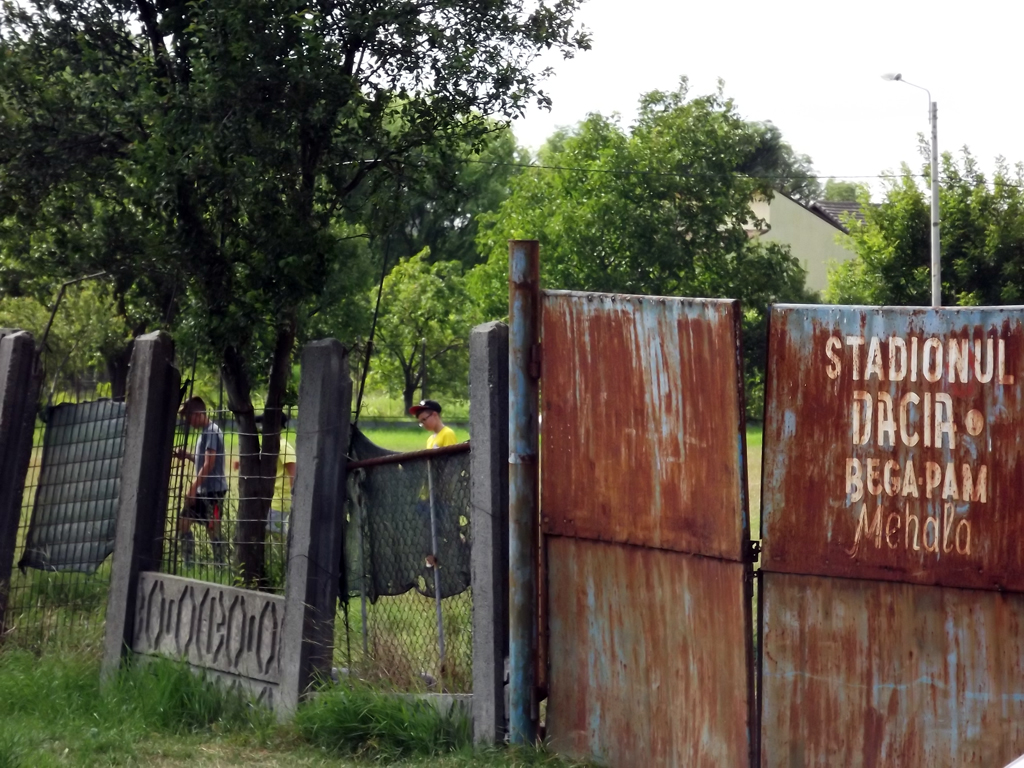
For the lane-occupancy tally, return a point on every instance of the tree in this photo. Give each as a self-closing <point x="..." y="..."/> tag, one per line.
<point x="85" y="328"/>
<point x="442" y="217"/>
<point x="982" y="240"/>
<point x="837" y="191"/>
<point x="238" y="133"/>
<point x="426" y="314"/>
<point x="658" y="210"/>
<point x="776" y="162"/>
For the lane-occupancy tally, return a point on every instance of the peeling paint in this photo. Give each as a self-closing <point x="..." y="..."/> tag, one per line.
<point x="644" y="515"/>
<point x="877" y="416"/>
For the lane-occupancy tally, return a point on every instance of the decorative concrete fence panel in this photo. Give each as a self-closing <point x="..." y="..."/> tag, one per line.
<point x="232" y="634"/>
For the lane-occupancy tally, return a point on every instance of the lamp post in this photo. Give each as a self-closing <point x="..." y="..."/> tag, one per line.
<point x="933" y="116"/>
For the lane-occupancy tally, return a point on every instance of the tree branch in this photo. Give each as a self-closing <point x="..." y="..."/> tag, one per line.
<point x="151" y="24"/>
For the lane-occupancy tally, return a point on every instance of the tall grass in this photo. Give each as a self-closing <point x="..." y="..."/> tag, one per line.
<point x="360" y="721"/>
<point x="53" y="710"/>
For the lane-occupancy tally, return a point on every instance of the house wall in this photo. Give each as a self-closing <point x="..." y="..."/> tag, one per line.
<point x="811" y="239"/>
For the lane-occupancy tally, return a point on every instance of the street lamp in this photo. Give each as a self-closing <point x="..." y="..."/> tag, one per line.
<point x="933" y="116"/>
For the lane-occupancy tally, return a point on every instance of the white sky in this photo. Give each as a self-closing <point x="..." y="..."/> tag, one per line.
<point x="814" y="70"/>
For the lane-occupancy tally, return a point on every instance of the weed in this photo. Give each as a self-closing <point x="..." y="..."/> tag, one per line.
<point x="358" y="720"/>
<point x="54" y="712"/>
<point x="169" y="696"/>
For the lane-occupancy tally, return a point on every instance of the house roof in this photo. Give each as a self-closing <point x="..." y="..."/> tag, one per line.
<point x="835" y="212"/>
<point x="832" y="213"/>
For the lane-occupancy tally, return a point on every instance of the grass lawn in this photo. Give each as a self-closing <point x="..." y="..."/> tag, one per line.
<point x="407" y="438"/>
<point x="754" y="437"/>
<point x="53" y="712"/>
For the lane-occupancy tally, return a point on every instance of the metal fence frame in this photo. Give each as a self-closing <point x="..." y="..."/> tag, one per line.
<point x="396" y="662"/>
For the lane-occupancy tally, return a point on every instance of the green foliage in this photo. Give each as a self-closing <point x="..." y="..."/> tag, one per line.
<point x="441" y="215"/>
<point x="658" y="210"/>
<point x="778" y="163"/>
<point x="218" y="157"/>
<point x="423" y="301"/>
<point x="357" y="720"/>
<point x="85" y="332"/>
<point x="982" y="241"/>
<point x="837" y="191"/>
<point x="227" y="156"/>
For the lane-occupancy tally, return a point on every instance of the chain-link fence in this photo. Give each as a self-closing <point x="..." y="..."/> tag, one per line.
<point x="408" y="617"/>
<point x="67" y="525"/>
<point x="406" y="609"/>
<point x="215" y="532"/>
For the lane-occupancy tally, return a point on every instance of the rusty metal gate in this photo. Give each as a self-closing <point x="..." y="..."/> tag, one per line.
<point x="645" y="531"/>
<point x="893" y="571"/>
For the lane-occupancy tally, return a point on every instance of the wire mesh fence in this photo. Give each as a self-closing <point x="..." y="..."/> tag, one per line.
<point x="406" y="610"/>
<point x="67" y="524"/>
<point x="216" y="525"/>
<point x="408" y="617"/>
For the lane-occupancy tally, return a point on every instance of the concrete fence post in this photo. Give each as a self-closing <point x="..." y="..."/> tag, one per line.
<point x="19" y="389"/>
<point x="317" y="525"/>
<point x="488" y="427"/>
<point x="152" y="399"/>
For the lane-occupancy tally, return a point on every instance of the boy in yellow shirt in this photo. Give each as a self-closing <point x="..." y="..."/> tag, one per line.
<point x="428" y="413"/>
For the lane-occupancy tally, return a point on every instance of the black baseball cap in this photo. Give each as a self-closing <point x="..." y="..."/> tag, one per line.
<point x="425" y="405"/>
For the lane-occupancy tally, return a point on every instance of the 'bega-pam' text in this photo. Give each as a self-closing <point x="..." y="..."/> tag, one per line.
<point x="901" y="489"/>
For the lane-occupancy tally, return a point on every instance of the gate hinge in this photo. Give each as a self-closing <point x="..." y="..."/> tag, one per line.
<point x="752" y="551"/>
<point x="535" y="353"/>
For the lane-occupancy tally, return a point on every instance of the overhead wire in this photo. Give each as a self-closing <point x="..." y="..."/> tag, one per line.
<point x="681" y="174"/>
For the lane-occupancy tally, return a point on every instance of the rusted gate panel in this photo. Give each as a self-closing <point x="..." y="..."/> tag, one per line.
<point x="892" y="459"/>
<point x="644" y="512"/>
<point x="648" y="665"/>
<point x="877" y="674"/>
<point x="642" y="430"/>
<point x="902" y="424"/>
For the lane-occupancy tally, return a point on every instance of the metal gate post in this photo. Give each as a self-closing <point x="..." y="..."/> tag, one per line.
<point x="523" y="373"/>
<point x="437" y="571"/>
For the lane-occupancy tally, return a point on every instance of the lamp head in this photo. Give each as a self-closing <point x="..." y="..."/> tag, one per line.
<point x="892" y="76"/>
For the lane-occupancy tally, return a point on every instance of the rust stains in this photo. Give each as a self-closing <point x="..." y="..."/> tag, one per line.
<point x="650" y="656"/>
<point x="893" y="445"/>
<point x="869" y="674"/>
<point x="642" y="434"/>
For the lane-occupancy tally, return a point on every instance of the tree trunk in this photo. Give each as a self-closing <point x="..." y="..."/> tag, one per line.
<point x="249" y="533"/>
<point x="412" y="381"/>
<point x="117" y="371"/>
<point x="257" y="460"/>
